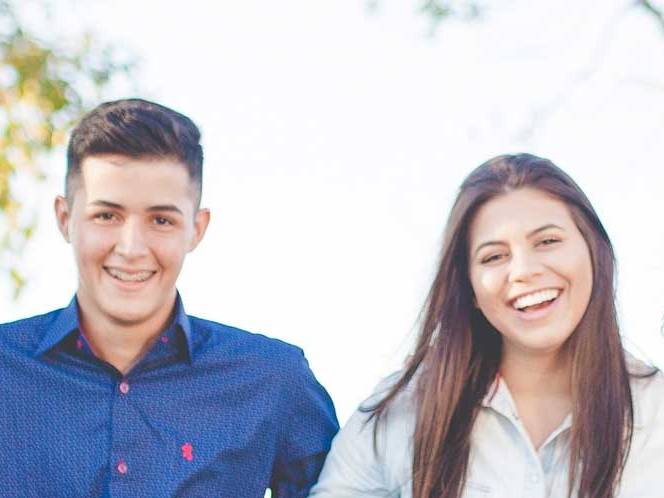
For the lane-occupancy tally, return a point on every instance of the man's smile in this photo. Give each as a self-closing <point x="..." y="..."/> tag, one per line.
<point x="129" y="275"/>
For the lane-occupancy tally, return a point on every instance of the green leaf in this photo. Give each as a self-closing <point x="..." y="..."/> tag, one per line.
<point x="37" y="108"/>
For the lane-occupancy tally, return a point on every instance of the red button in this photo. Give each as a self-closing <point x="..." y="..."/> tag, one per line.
<point x="122" y="467"/>
<point x="124" y="387"/>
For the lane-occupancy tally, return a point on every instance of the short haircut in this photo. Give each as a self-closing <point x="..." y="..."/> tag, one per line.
<point x="137" y="129"/>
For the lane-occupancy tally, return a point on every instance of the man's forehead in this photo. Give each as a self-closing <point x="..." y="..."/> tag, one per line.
<point x="122" y="163"/>
<point x="145" y="182"/>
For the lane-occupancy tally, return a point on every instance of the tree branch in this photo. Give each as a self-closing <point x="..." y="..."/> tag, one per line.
<point x="653" y="10"/>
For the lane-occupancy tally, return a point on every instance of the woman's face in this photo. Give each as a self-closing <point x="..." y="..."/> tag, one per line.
<point x="530" y="270"/>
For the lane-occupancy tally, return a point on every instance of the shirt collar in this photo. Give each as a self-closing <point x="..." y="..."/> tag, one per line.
<point x="64" y="324"/>
<point x="181" y="321"/>
<point x="67" y="321"/>
<point x="498" y="398"/>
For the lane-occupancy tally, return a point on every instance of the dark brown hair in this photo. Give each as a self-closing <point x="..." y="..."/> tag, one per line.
<point x="458" y="352"/>
<point x="138" y="129"/>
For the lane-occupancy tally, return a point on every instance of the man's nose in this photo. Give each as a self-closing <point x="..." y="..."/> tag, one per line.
<point x="132" y="242"/>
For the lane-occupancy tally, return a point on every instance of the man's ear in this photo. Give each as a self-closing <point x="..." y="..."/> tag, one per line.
<point x="201" y="222"/>
<point x="62" y="216"/>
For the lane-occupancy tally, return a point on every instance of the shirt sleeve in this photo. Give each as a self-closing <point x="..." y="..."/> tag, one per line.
<point x="355" y="467"/>
<point x="310" y="423"/>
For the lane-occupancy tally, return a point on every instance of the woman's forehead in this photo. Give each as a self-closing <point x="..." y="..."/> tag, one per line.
<point x="518" y="212"/>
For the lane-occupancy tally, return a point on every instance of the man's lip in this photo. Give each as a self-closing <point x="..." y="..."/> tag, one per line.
<point x="132" y="279"/>
<point x="130" y="271"/>
<point x="511" y="300"/>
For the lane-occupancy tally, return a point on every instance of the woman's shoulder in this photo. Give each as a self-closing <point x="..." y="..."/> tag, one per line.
<point x="402" y="401"/>
<point x="643" y="375"/>
<point x="367" y="459"/>
<point x="643" y="470"/>
<point x="639" y="368"/>
<point x="647" y="385"/>
<point x="395" y="425"/>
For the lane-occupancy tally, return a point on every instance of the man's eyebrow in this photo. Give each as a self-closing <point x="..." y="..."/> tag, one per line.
<point x="107" y="204"/>
<point x="530" y="234"/>
<point x="166" y="207"/>
<point x="152" y="209"/>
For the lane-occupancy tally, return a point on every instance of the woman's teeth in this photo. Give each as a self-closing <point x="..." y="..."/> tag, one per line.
<point x="535" y="298"/>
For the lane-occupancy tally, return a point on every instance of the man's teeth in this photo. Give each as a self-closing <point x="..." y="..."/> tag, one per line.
<point x="535" y="298"/>
<point x="139" y="276"/>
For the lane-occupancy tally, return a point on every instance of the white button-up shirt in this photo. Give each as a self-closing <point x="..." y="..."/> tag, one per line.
<point x="503" y="462"/>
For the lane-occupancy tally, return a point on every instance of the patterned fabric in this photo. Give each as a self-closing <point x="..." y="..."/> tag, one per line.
<point x="210" y="411"/>
<point x="503" y="462"/>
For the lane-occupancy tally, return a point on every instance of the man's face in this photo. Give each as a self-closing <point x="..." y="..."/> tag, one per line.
<point x="131" y="222"/>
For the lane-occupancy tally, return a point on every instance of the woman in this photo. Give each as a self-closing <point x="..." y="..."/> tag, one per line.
<point x="518" y="385"/>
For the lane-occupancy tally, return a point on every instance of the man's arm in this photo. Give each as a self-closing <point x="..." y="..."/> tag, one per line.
<point x="310" y="423"/>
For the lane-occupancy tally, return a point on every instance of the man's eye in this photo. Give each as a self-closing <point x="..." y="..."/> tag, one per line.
<point x="105" y="216"/>
<point x="160" y="220"/>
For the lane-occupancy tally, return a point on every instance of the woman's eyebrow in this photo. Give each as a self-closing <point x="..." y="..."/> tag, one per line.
<point x="488" y="243"/>
<point x="543" y="228"/>
<point x="530" y="234"/>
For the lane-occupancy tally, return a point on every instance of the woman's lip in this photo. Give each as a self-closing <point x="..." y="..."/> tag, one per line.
<point x="512" y="300"/>
<point x="539" y="313"/>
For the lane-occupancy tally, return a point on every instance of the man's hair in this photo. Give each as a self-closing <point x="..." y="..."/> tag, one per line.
<point x="137" y="129"/>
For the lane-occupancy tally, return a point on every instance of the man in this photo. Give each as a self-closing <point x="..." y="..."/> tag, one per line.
<point x="122" y="394"/>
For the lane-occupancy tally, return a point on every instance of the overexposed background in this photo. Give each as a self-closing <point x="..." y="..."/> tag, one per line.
<point x="336" y="137"/>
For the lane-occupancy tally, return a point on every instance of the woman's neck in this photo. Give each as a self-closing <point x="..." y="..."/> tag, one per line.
<point x="528" y="374"/>
<point x="541" y="389"/>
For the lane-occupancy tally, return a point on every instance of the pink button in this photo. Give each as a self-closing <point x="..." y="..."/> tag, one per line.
<point x="122" y="467"/>
<point x="164" y="339"/>
<point x="124" y="387"/>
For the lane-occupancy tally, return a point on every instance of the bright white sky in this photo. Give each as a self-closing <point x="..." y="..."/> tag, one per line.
<point x="335" y="140"/>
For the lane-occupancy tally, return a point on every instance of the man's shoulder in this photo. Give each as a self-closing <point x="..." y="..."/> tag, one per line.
<point x="32" y="321"/>
<point x="220" y="338"/>
<point x="27" y="331"/>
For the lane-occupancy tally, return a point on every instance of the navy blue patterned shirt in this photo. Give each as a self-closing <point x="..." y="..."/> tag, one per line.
<point x="210" y="411"/>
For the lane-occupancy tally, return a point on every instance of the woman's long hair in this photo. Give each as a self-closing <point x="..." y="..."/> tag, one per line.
<point x="458" y="351"/>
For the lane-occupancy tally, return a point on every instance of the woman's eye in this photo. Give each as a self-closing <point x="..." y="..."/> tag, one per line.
<point x="491" y="259"/>
<point x="549" y="241"/>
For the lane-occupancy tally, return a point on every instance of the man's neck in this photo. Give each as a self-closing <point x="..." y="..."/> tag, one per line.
<point x="122" y="344"/>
